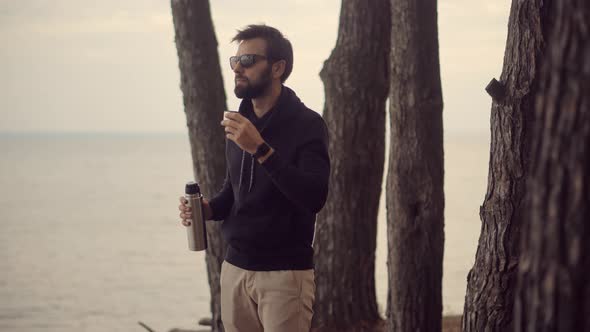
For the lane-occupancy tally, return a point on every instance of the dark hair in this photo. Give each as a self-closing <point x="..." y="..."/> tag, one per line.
<point x="277" y="46"/>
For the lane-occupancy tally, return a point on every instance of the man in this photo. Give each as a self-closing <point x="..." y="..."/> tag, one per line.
<point x="277" y="181"/>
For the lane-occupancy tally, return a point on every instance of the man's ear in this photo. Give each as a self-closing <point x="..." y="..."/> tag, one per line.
<point x="278" y="68"/>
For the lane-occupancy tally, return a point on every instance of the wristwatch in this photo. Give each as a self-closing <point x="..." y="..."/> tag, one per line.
<point x="261" y="151"/>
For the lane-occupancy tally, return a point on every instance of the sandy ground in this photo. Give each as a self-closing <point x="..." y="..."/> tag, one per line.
<point x="450" y="324"/>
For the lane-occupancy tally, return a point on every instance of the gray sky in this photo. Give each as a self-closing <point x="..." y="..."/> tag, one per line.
<point x="111" y="66"/>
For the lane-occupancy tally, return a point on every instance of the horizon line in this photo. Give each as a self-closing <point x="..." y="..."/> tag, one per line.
<point x="472" y="131"/>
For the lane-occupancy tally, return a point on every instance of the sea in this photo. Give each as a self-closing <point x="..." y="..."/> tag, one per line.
<point x="90" y="238"/>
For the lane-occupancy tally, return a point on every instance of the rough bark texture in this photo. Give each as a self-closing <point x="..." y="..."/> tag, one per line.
<point x="204" y="103"/>
<point x="356" y="84"/>
<point x="415" y="199"/>
<point x="553" y="291"/>
<point x="492" y="280"/>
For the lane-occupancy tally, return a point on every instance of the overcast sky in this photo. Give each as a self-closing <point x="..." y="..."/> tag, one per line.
<point x="111" y="66"/>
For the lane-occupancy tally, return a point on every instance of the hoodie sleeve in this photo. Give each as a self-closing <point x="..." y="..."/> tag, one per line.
<point x="222" y="203"/>
<point x="305" y="182"/>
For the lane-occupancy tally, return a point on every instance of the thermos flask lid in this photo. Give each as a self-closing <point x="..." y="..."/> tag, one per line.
<point x="192" y="188"/>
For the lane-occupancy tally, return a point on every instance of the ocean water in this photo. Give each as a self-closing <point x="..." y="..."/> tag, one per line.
<point x="90" y="238"/>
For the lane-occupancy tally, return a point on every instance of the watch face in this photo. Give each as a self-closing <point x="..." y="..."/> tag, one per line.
<point x="262" y="150"/>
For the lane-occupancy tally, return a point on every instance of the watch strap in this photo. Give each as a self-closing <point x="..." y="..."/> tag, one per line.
<point x="262" y="150"/>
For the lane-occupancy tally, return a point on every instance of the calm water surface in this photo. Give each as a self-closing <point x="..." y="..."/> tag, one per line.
<point x="89" y="238"/>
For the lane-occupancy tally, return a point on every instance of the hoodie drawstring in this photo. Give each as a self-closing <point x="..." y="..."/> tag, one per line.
<point x="252" y="165"/>
<point x="251" y="174"/>
<point x="242" y="170"/>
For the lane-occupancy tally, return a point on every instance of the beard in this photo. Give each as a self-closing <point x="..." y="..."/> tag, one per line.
<point x="256" y="89"/>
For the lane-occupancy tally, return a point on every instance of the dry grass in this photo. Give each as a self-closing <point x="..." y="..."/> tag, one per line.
<point x="451" y="324"/>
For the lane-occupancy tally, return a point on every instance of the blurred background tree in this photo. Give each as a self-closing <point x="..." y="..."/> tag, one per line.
<point x="355" y="78"/>
<point x="553" y="292"/>
<point x="492" y="280"/>
<point x="415" y="197"/>
<point x="204" y="103"/>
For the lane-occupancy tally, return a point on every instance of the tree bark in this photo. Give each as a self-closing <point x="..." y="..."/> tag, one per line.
<point x="553" y="291"/>
<point x="415" y="198"/>
<point x="204" y="103"/>
<point x="492" y="280"/>
<point x="355" y="83"/>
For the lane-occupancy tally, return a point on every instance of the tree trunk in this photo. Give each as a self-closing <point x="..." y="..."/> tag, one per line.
<point x="415" y="198"/>
<point x="204" y="103"/>
<point x="492" y="280"/>
<point x="553" y="291"/>
<point x="355" y="81"/>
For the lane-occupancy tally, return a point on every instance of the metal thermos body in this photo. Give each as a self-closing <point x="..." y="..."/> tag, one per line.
<point x="197" y="231"/>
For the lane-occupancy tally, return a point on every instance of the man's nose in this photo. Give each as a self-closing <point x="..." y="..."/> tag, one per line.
<point x="238" y="67"/>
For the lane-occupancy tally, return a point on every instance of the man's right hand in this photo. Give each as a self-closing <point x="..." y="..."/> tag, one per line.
<point x="185" y="211"/>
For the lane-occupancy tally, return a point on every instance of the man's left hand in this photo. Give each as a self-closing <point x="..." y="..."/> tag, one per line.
<point x="241" y="131"/>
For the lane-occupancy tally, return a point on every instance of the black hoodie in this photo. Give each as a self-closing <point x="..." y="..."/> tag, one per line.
<point x="269" y="209"/>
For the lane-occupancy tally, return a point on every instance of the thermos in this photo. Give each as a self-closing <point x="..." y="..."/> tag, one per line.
<point x="197" y="232"/>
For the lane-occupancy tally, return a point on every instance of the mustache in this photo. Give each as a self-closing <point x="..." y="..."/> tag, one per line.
<point x="238" y="77"/>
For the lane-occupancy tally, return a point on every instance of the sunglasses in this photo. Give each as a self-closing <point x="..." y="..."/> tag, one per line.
<point x="245" y="60"/>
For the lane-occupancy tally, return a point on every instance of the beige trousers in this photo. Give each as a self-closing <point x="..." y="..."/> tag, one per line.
<point x="270" y="301"/>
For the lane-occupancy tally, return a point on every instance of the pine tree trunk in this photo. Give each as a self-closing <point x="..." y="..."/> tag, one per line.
<point x="415" y="198"/>
<point x="492" y="280"/>
<point x="204" y="103"/>
<point x="553" y="291"/>
<point x="355" y="80"/>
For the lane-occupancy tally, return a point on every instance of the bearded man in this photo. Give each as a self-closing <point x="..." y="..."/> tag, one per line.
<point x="277" y="181"/>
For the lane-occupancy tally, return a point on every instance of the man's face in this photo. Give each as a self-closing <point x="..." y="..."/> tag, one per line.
<point x="254" y="81"/>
